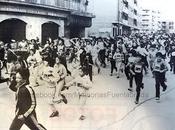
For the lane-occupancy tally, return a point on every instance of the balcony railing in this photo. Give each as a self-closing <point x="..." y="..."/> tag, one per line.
<point x="75" y="5"/>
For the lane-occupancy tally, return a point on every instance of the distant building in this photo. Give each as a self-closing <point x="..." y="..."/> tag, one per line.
<point x="28" y="19"/>
<point x="121" y="16"/>
<point x="128" y="17"/>
<point x="167" y="26"/>
<point x="105" y="32"/>
<point x="150" y="21"/>
<point x="101" y="25"/>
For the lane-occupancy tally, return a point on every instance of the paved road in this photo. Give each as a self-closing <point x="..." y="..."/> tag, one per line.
<point x="109" y="107"/>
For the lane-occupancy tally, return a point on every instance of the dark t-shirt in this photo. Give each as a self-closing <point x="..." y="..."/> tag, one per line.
<point x="2" y="53"/>
<point x="137" y="68"/>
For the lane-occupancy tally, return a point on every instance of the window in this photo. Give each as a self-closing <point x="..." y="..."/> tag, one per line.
<point x="145" y="10"/>
<point x="171" y="23"/>
<point x="77" y="1"/>
<point x="145" y="25"/>
<point x="125" y="3"/>
<point x="86" y="2"/>
<point x="31" y="1"/>
<point x="43" y="2"/>
<point x="124" y="16"/>
<point x="145" y="15"/>
<point x="135" y="22"/>
<point x="170" y="27"/>
<point x="145" y="20"/>
<point x="135" y="11"/>
<point x="135" y="2"/>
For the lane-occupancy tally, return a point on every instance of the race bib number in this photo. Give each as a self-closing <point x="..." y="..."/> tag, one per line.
<point x="138" y="68"/>
<point x="110" y="55"/>
<point x="118" y="57"/>
<point x="157" y="67"/>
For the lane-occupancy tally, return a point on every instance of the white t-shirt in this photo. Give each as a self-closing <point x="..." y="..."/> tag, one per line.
<point x="142" y="51"/>
<point x="152" y="55"/>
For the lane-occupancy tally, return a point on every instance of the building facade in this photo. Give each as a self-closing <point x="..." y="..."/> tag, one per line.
<point x="150" y="21"/>
<point x="167" y="26"/>
<point x="128" y="17"/>
<point x="28" y="19"/>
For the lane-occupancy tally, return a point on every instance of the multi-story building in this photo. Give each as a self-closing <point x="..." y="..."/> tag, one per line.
<point x="28" y="19"/>
<point x="150" y="21"/>
<point x="128" y="17"/>
<point x="167" y="26"/>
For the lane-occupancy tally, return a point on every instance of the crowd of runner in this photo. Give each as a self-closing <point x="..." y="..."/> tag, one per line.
<point x="49" y="64"/>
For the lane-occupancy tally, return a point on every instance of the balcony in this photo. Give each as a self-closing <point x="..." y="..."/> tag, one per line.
<point x="50" y="8"/>
<point x="59" y="4"/>
<point x="125" y="9"/>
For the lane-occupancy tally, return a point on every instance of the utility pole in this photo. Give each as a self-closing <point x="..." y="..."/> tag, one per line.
<point x="118" y="16"/>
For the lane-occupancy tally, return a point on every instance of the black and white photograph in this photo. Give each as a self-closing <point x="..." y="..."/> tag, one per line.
<point x="87" y="65"/>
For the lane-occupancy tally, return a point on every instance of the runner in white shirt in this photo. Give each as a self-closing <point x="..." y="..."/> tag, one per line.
<point x="83" y="85"/>
<point x="152" y="56"/>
